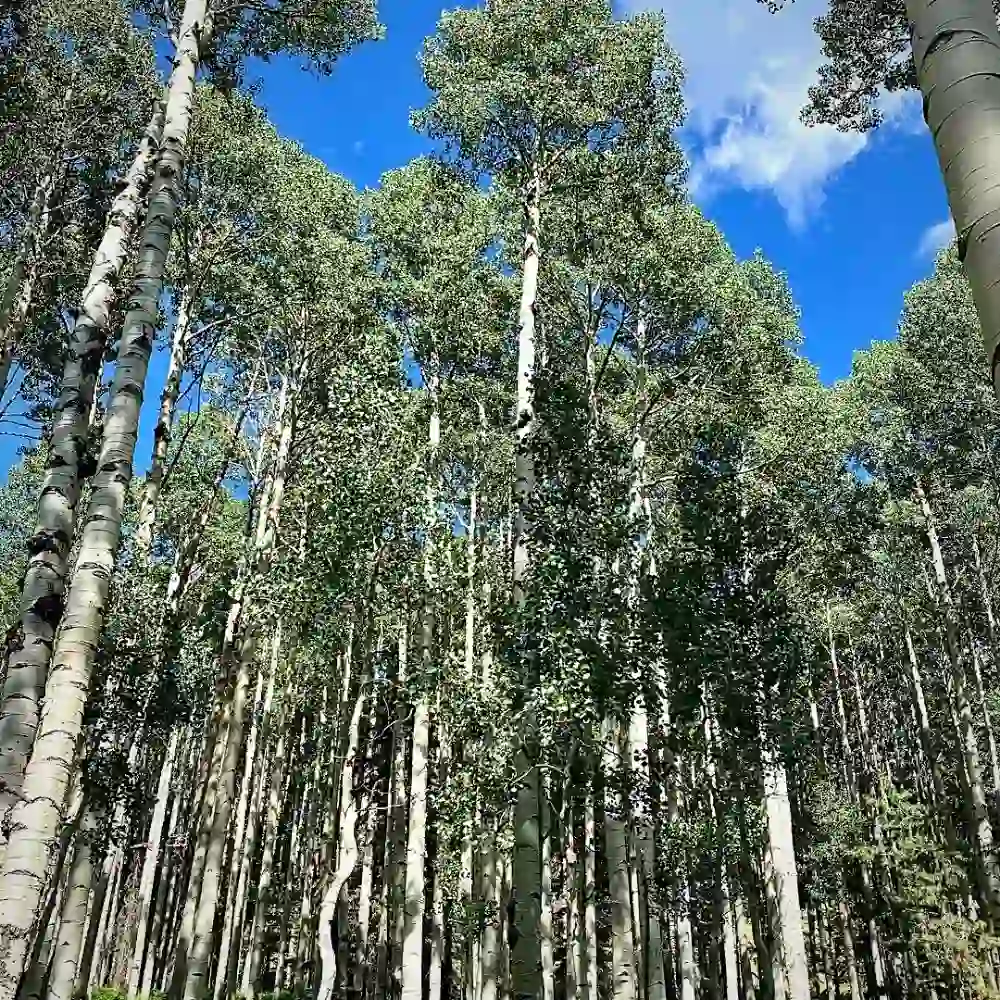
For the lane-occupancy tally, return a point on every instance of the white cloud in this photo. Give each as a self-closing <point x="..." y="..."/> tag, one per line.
<point x="936" y="238"/>
<point x="748" y="75"/>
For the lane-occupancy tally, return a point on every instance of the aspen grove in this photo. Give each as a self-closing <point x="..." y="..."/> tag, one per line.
<point x="490" y="602"/>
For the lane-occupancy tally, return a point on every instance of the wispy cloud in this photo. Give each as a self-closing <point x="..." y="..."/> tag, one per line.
<point x="936" y="238"/>
<point x="748" y="76"/>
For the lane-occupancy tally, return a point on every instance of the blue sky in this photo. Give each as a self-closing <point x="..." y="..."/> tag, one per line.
<point x="852" y="220"/>
<point x="845" y="216"/>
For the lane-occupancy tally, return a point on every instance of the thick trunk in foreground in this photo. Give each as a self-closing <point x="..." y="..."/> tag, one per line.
<point x="956" y="51"/>
<point x="37" y="818"/>
<point x="42" y="591"/>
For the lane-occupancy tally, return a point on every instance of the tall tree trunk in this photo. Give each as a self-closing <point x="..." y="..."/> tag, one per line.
<point x="240" y="645"/>
<point x="242" y="844"/>
<point x="166" y="890"/>
<point x="571" y="893"/>
<point x="37" y="818"/>
<point x="202" y="811"/>
<point x="982" y="829"/>
<point x="847" y="937"/>
<point x="250" y="982"/>
<point x="616" y="851"/>
<point x="201" y="948"/>
<point x="236" y="908"/>
<point x="991" y="742"/>
<point x="348" y="852"/>
<point x="435" y="972"/>
<point x="782" y="853"/>
<point x="98" y="896"/>
<point x="688" y="970"/>
<point x="416" y="844"/>
<point x="490" y="952"/>
<point x="73" y="920"/>
<point x="956" y="48"/>
<point x="179" y="342"/>
<point x="526" y="950"/>
<point x="361" y="966"/>
<point x="42" y="592"/>
<point x="545" y="908"/>
<point x="397" y="832"/>
<point x="723" y="908"/>
<point x="107" y="918"/>
<point x="15" y="304"/>
<point x="150" y="865"/>
<point x="923" y="721"/>
<point x="588" y="897"/>
<point x="748" y="955"/>
<point x="413" y="929"/>
<point x="847" y="754"/>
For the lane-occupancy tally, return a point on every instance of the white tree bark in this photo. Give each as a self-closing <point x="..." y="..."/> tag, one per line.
<point x="37" y="817"/>
<point x="687" y="970"/>
<point x="236" y="911"/>
<point x="489" y="953"/>
<point x="73" y="920"/>
<point x="616" y="851"/>
<point x="204" y="924"/>
<point x="242" y="843"/>
<point x="545" y="908"/>
<point x="654" y="987"/>
<point x="792" y="943"/>
<point x="43" y="589"/>
<point x="179" y="343"/>
<point x="923" y="720"/>
<point x="244" y="649"/>
<point x="956" y="49"/>
<point x="587" y="941"/>
<point x="250" y="980"/>
<point x="348" y="852"/>
<point x="526" y="951"/>
<point x="413" y="927"/>
<point x="150" y="864"/>
<point x="844" y="919"/>
<point x="982" y="829"/>
<point x="15" y="304"/>
<point x="397" y="832"/>
<point x="202" y="811"/>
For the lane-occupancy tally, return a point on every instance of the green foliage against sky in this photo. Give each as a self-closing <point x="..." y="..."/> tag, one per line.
<point x="504" y="608"/>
